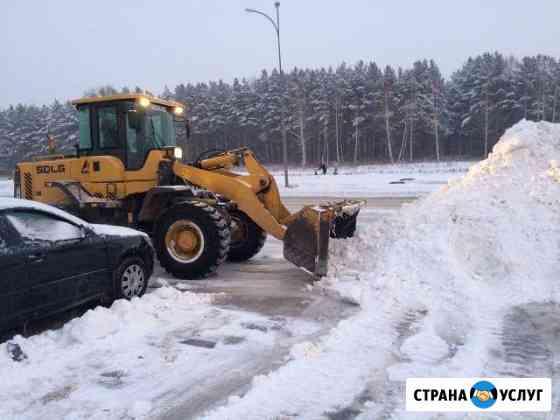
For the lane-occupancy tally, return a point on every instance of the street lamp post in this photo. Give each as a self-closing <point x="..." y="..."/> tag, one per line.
<point x="283" y="107"/>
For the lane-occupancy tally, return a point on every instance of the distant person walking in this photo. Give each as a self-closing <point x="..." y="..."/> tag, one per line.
<point x="322" y="167"/>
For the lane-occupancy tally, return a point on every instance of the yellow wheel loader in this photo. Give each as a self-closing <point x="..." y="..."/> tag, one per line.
<point x="127" y="170"/>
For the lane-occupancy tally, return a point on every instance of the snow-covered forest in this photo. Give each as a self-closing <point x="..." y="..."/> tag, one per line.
<point x="352" y="114"/>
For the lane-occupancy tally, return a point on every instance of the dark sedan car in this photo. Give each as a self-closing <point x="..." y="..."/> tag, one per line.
<point x="51" y="261"/>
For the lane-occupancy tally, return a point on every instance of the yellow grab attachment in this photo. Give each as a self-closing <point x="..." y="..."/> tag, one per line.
<point x="306" y="242"/>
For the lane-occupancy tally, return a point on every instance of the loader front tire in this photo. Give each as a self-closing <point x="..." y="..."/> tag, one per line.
<point x="247" y="238"/>
<point x="192" y="239"/>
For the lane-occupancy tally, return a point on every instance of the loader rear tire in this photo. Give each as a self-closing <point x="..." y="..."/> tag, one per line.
<point x="192" y="239"/>
<point x="247" y="238"/>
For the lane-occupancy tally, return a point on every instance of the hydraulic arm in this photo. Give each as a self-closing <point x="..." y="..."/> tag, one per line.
<point x="305" y="234"/>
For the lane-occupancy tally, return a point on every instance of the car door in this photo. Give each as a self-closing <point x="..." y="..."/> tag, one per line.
<point x="14" y="283"/>
<point x="65" y="263"/>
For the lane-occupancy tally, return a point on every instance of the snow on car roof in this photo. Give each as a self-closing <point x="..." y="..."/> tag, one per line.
<point x="16" y="203"/>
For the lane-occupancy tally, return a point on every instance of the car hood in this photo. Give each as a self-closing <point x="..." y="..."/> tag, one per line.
<point x="109" y="230"/>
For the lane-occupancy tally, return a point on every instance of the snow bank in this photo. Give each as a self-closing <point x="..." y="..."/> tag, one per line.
<point x="435" y="285"/>
<point x="129" y="361"/>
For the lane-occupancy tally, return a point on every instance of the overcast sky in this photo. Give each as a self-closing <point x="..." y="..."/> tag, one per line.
<point x="59" y="48"/>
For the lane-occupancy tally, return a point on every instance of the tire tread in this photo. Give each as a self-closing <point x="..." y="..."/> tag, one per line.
<point x="216" y="223"/>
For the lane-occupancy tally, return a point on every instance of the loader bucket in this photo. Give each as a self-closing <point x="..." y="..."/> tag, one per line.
<point x="306" y="242"/>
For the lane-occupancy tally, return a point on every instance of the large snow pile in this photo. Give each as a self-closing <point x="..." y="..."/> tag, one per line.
<point x="445" y="288"/>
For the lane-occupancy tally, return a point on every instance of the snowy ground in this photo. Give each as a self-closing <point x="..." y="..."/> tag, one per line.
<point x="400" y="180"/>
<point x="460" y="283"/>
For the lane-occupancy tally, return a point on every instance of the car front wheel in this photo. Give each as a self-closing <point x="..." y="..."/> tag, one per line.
<point x="131" y="278"/>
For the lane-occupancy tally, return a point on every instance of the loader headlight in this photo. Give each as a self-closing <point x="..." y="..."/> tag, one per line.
<point x="178" y="153"/>
<point x="178" y="110"/>
<point x="144" y="102"/>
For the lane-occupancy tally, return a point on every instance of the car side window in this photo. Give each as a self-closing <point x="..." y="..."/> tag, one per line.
<point x="84" y="128"/>
<point x="35" y="227"/>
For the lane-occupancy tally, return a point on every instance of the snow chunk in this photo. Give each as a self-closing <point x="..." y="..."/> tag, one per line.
<point x="305" y="350"/>
<point x="140" y="409"/>
<point x="425" y="347"/>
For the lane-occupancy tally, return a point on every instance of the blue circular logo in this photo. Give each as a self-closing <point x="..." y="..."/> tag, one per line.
<point x="483" y="394"/>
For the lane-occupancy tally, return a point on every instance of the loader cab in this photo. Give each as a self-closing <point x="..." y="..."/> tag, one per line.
<point x="127" y="127"/>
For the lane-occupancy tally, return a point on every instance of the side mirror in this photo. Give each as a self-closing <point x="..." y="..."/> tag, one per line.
<point x="134" y="120"/>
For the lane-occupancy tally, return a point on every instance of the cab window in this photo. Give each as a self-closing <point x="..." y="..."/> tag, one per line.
<point x="160" y="129"/>
<point x="134" y="146"/>
<point x="84" y="128"/>
<point x="107" y="127"/>
<point x="151" y="129"/>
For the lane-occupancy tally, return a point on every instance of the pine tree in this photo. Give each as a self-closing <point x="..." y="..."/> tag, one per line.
<point x="356" y="113"/>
